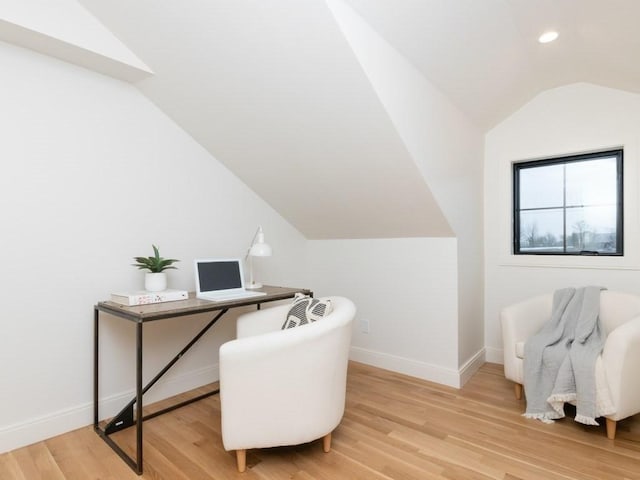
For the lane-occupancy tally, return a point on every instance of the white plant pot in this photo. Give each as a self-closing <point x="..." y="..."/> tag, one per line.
<point x="155" y="282"/>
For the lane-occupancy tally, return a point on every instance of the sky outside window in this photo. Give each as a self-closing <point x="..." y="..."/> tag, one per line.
<point x="569" y="205"/>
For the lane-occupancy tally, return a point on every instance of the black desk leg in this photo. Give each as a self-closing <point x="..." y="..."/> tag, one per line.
<point x="125" y="418"/>
<point x="95" y="367"/>
<point x="139" y="414"/>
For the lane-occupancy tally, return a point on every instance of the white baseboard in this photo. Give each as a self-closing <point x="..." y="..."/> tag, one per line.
<point x="426" y="371"/>
<point x="407" y="366"/>
<point x="47" y="426"/>
<point x="471" y="366"/>
<point x="43" y="427"/>
<point x="494" y="355"/>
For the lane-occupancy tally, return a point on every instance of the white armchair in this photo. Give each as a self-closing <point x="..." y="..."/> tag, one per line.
<point x="284" y="387"/>
<point x="616" y="369"/>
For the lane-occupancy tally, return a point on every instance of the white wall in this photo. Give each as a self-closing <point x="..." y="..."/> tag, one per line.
<point x="447" y="148"/>
<point x="572" y="119"/>
<point x="406" y="290"/>
<point x="92" y="175"/>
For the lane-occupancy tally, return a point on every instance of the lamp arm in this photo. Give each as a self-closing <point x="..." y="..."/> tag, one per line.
<point x="251" y="282"/>
<point x="253" y="241"/>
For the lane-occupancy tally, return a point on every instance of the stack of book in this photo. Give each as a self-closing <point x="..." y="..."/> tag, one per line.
<point x="145" y="298"/>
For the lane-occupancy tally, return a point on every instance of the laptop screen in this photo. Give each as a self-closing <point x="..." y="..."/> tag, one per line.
<point x="215" y="275"/>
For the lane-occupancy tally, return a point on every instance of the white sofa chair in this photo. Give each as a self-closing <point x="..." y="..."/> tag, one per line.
<point x="617" y="367"/>
<point x="284" y="387"/>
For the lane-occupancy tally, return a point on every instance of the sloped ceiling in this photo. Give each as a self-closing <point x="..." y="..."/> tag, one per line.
<point x="273" y="91"/>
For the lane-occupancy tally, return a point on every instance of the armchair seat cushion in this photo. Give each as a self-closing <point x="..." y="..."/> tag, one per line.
<point x="604" y="405"/>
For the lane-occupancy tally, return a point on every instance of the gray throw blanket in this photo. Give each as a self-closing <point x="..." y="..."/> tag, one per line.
<point x="559" y="360"/>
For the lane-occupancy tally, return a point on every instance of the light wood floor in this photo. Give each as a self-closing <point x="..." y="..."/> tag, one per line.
<point x="395" y="427"/>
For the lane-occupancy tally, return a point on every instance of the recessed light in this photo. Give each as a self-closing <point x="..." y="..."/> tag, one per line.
<point x="547" y="37"/>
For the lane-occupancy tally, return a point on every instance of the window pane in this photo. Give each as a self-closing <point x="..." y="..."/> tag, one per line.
<point x="541" y="231"/>
<point x="569" y="205"/>
<point x="592" y="228"/>
<point x="542" y="187"/>
<point x="592" y="182"/>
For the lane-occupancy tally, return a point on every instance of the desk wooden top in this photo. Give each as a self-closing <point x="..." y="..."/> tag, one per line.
<point x="193" y="305"/>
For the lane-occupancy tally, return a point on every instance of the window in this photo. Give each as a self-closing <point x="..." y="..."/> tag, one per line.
<point x="568" y="205"/>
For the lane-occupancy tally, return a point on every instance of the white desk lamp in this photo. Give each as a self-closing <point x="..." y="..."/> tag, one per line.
<point x="257" y="249"/>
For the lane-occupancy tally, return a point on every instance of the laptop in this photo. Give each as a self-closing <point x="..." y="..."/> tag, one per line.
<point x="221" y="279"/>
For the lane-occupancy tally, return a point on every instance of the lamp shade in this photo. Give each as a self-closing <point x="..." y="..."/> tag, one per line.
<point x="259" y="248"/>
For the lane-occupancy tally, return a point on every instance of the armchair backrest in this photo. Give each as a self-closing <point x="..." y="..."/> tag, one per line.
<point x="617" y="308"/>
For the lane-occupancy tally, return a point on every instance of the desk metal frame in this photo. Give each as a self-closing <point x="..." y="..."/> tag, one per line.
<point x="128" y="416"/>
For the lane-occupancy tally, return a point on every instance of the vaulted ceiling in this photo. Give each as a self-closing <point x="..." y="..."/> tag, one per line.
<point x="272" y="89"/>
<point x="485" y="56"/>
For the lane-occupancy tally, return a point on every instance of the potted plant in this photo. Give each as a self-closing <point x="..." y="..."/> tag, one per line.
<point x="155" y="280"/>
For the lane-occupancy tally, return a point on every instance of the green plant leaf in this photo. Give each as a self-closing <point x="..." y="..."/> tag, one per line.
<point x="155" y="264"/>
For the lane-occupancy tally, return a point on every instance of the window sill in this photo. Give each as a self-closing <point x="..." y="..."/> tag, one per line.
<point x="589" y="262"/>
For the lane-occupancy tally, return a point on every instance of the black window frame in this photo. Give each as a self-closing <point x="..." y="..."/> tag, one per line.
<point x="618" y="153"/>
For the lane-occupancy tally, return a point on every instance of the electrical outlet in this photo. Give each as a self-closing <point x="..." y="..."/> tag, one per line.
<point x="364" y="326"/>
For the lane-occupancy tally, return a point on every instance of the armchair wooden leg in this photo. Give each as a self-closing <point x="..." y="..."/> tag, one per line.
<point x="518" y="390"/>
<point x="241" y="459"/>
<point x="611" y="429"/>
<point x="326" y="442"/>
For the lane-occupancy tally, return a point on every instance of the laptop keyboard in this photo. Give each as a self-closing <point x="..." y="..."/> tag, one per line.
<point x="230" y="296"/>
